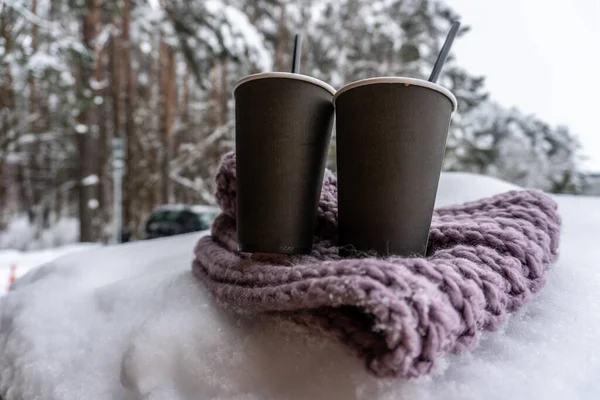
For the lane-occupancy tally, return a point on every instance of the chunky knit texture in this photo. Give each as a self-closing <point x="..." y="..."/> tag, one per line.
<point x="485" y="260"/>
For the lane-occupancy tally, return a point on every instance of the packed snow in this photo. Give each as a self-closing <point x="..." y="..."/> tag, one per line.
<point x="130" y="322"/>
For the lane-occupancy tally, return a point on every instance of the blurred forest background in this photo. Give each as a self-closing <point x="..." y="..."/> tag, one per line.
<point x="76" y="73"/>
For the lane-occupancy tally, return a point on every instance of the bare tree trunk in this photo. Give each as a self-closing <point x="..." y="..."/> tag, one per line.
<point x="281" y="46"/>
<point x="154" y="193"/>
<point x="163" y="125"/>
<point x="115" y="88"/>
<point x="52" y="11"/>
<point x="184" y="135"/>
<point x="214" y="118"/>
<point x="7" y="103"/>
<point x="170" y="119"/>
<point x="87" y="151"/>
<point x="102" y="140"/>
<point x="34" y="149"/>
<point x="129" y="108"/>
<point x="167" y="56"/>
<point x="224" y="92"/>
<point x="39" y="162"/>
<point x="48" y="191"/>
<point x="33" y="106"/>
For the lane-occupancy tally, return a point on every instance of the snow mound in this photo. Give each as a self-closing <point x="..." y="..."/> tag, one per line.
<point x="130" y="322"/>
<point x="458" y="187"/>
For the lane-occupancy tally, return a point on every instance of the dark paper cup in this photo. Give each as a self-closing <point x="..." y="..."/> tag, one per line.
<point x="391" y="137"/>
<point x="283" y="127"/>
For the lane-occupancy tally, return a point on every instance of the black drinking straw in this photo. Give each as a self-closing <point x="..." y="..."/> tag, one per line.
<point x="297" y="53"/>
<point x="441" y="59"/>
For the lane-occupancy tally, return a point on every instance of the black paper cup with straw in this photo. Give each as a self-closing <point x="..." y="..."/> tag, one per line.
<point x="283" y="124"/>
<point x="391" y="138"/>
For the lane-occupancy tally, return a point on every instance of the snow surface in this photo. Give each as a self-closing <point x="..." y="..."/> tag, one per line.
<point x="130" y="322"/>
<point x="26" y="261"/>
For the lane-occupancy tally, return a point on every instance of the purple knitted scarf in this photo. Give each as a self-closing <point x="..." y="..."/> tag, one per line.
<point x="485" y="259"/>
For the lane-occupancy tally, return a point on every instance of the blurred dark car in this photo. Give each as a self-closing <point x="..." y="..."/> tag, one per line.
<point x="170" y="220"/>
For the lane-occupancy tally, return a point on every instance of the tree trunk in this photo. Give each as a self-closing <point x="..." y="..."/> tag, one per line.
<point x="87" y="151"/>
<point x="115" y="86"/>
<point x="115" y="90"/>
<point x="34" y="148"/>
<point x="167" y="56"/>
<point x="102" y="140"/>
<point x="52" y="10"/>
<point x="282" y="43"/>
<point x="7" y="103"/>
<point x="214" y="119"/>
<point x="129" y="108"/>
<point x="39" y="164"/>
<point x="184" y="135"/>
<point x="224" y="93"/>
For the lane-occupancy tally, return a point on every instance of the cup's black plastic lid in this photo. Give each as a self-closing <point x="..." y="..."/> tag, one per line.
<point x="399" y="79"/>
<point x="286" y="75"/>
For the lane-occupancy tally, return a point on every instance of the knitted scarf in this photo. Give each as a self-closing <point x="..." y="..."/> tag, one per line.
<point x="485" y="259"/>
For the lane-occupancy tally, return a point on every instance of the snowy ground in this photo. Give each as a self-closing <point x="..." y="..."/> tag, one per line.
<point x="25" y="261"/>
<point x="130" y="322"/>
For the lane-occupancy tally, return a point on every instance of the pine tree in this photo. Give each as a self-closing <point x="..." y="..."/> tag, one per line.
<point x="75" y="74"/>
<point x="518" y="148"/>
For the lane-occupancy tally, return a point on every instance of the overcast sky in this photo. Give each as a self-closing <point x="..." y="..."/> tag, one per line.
<point x="542" y="56"/>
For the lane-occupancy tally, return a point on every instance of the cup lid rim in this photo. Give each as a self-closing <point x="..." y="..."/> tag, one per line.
<point x="398" y="79"/>
<point x="289" y="75"/>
